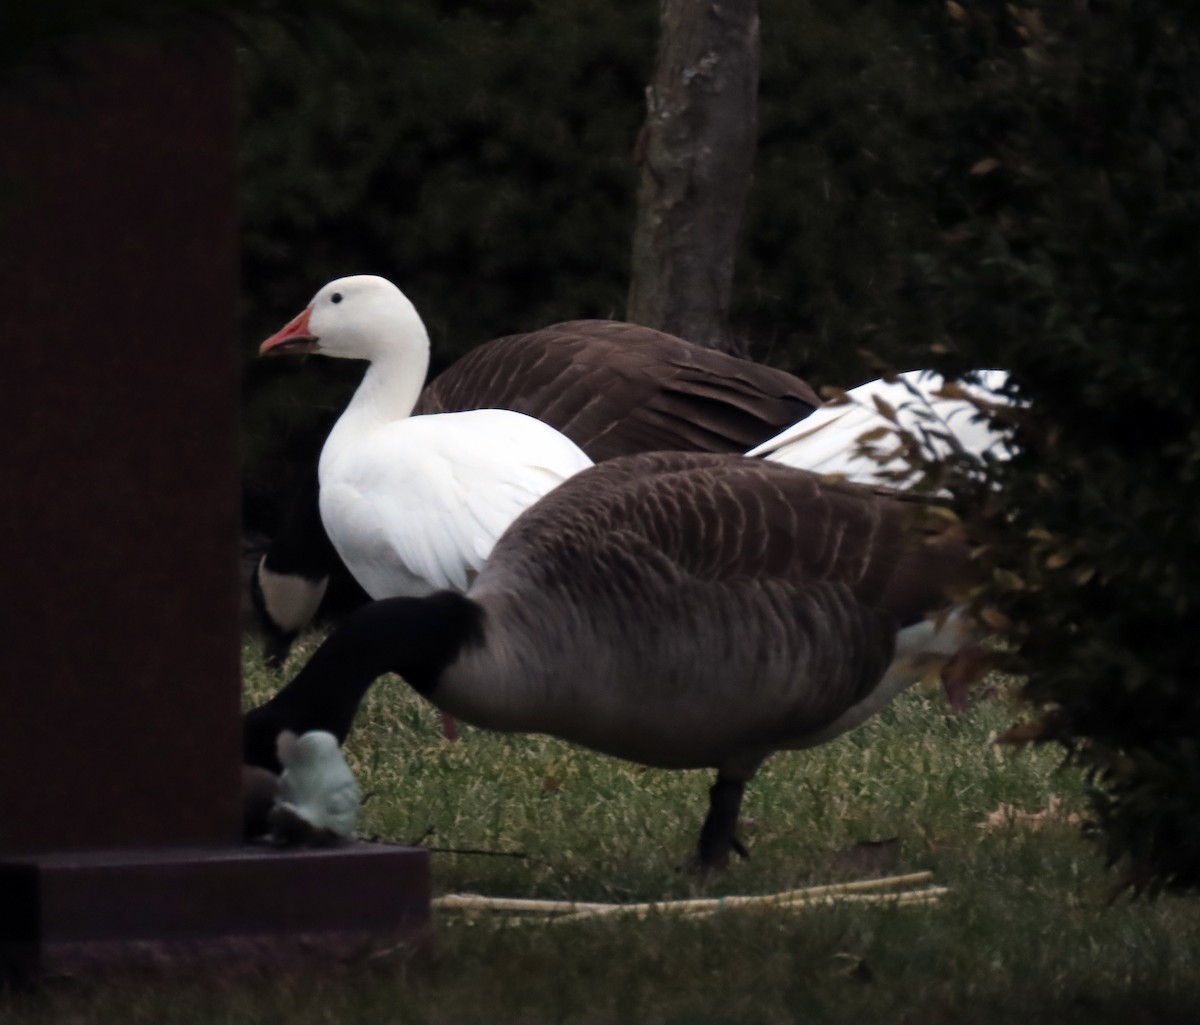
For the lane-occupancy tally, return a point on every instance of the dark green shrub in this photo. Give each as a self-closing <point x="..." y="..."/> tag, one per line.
<point x="1070" y="257"/>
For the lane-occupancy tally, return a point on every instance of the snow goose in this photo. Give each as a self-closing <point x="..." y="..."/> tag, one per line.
<point x="612" y="388"/>
<point x="413" y="504"/>
<point x="680" y="610"/>
<point x="830" y="440"/>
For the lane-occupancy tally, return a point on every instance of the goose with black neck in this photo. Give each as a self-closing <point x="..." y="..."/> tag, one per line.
<point x="677" y="610"/>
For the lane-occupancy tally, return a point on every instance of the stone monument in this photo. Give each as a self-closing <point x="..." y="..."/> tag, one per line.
<point x="120" y="784"/>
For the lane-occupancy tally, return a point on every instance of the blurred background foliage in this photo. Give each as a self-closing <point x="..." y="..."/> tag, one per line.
<point x="939" y="183"/>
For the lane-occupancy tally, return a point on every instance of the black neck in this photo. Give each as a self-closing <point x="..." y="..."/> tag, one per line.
<point x="301" y="547"/>
<point x="414" y="637"/>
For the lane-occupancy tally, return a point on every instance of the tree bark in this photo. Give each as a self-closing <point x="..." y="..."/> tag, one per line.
<point x="697" y="151"/>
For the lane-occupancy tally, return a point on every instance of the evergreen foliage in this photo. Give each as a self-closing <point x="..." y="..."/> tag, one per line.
<point x="851" y="134"/>
<point x="1070" y="257"/>
<point x="43" y="33"/>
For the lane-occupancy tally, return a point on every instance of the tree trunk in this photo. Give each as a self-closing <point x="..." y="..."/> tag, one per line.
<point x="696" y="150"/>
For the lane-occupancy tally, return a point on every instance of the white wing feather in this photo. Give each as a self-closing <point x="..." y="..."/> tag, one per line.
<point x="827" y="442"/>
<point x="418" y="505"/>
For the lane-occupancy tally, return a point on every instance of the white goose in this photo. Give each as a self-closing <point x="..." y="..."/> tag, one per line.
<point x="831" y="442"/>
<point x="680" y="610"/>
<point x="414" y="505"/>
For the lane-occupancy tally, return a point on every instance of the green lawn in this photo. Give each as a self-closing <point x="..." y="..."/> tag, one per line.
<point x="1027" y="932"/>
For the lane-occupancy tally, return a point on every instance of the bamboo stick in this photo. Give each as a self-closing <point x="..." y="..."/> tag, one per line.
<point x="478" y="902"/>
<point x="930" y="895"/>
<point x="702" y="909"/>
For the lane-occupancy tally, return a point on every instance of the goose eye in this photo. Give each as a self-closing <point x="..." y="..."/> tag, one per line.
<point x="336" y="297"/>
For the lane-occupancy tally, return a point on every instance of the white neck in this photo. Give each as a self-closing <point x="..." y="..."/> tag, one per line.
<point x="388" y="393"/>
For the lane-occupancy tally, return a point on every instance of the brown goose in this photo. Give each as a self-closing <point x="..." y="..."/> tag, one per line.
<point x="675" y="609"/>
<point x="612" y="388"/>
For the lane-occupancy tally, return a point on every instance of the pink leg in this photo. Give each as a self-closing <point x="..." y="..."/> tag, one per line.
<point x="964" y="669"/>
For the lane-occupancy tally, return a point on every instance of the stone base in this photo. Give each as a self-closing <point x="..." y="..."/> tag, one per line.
<point x="165" y="909"/>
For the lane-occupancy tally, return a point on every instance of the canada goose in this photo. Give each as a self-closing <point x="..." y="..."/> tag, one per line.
<point x="612" y="388"/>
<point x="680" y="610"/>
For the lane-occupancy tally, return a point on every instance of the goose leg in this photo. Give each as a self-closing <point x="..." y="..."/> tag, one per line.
<point x="276" y="645"/>
<point x="963" y="669"/>
<point x="718" y="834"/>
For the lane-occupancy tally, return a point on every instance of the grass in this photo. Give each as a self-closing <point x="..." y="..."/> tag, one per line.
<point x="1026" y="933"/>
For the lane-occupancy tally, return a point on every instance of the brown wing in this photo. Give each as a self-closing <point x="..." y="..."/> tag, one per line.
<point x="616" y="389"/>
<point x="722" y="518"/>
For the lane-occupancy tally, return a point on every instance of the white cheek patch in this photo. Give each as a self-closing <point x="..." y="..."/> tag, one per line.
<point x="290" y="601"/>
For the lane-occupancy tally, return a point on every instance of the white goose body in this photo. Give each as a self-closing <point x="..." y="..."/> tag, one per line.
<point x="828" y="440"/>
<point x="414" y="505"/>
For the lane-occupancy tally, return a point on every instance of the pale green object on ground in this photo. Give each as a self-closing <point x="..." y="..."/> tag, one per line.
<point x="318" y="799"/>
